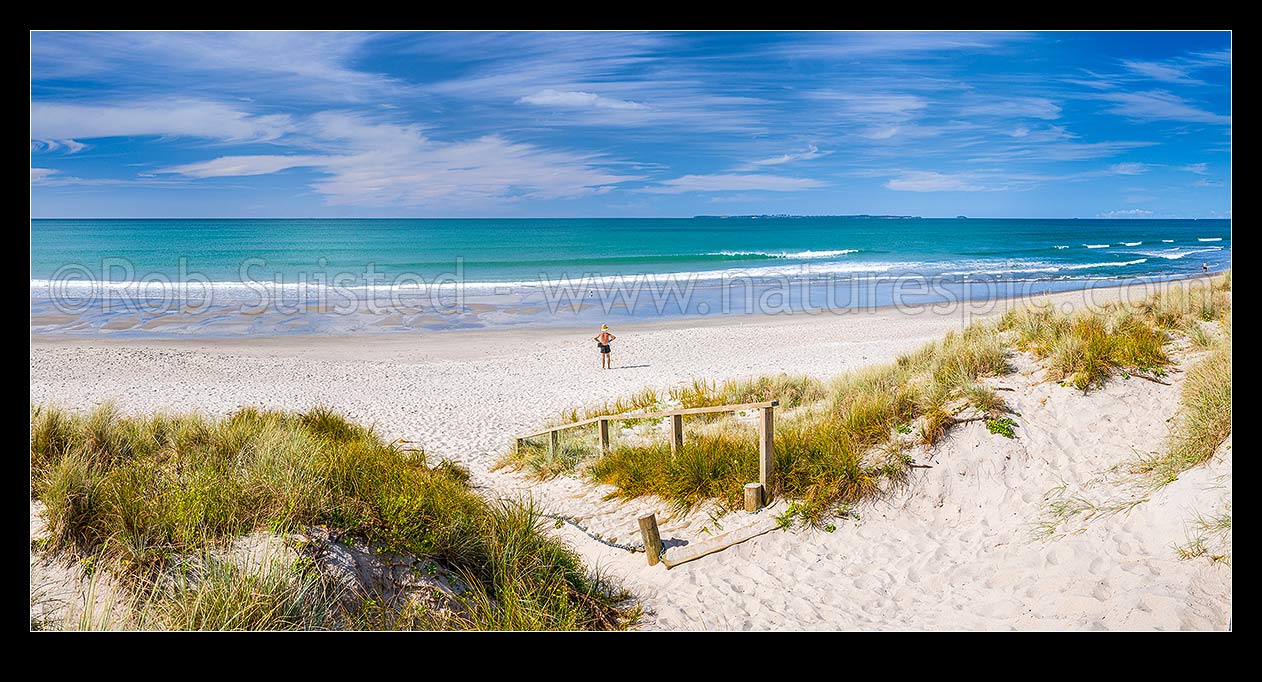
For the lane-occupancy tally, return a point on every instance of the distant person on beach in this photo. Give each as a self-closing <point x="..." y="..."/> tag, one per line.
<point x="603" y="339"/>
<point x="1204" y="267"/>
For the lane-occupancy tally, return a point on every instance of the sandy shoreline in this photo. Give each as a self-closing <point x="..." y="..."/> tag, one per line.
<point x="953" y="553"/>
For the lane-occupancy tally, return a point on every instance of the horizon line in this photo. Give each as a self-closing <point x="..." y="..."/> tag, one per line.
<point x="684" y="217"/>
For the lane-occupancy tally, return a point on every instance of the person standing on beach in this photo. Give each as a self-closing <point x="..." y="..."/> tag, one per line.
<point x="603" y="339"/>
<point x="1204" y="267"/>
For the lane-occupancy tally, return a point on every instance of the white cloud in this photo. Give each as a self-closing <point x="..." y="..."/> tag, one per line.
<point x="308" y="64"/>
<point x="63" y="124"/>
<point x="1126" y="213"/>
<point x="1198" y="168"/>
<point x="1159" y="105"/>
<point x="733" y="182"/>
<point x="236" y="166"/>
<point x="572" y="99"/>
<point x="880" y="133"/>
<point x="1161" y="71"/>
<point x="41" y="174"/>
<point x="1128" y="168"/>
<point x="812" y="152"/>
<point x="930" y="181"/>
<point x="1206" y="182"/>
<point x="873" y="108"/>
<point x="851" y="44"/>
<point x="1014" y="107"/>
<point x="381" y="164"/>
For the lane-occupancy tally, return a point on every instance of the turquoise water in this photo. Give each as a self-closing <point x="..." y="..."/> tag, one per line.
<point x="506" y="265"/>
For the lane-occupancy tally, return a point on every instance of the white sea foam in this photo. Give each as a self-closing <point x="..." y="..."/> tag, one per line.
<point x="1033" y="267"/>
<point x="309" y="291"/>
<point x="800" y="255"/>
<point x="1168" y="241"/>
<point x="1209" y="239"/>
<point x="1175" y="253"/>
<point x="1131" y="243"/>
<point x="1060" y="247"/>
<point x="1096" y="246"/>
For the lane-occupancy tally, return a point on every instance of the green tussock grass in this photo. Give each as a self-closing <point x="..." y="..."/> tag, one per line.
<point x="1203" y="422"/>
<point x="580" y="445"/>
<point x="214" y="593"/>
<point x="139" y="492"/>
<point x="1210" y="537"/>
<point x="848" y="441"/>
<point x="847" y="444"/>
<point x="1085" y="349"/>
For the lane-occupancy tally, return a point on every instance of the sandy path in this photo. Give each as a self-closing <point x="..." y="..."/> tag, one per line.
<point x="954" y="551"/>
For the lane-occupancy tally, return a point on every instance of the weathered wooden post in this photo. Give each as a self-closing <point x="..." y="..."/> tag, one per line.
<point x="604" y="435"/>
<point x="676" y="433"/>
<point x="753" y="497"/>
<point x="652" y="539"/>
<point x="767" y="448"/>
<point x="554" y="441"/>
<point x="518" y="445"/>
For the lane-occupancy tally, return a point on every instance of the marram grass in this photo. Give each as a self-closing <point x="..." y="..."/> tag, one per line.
<point x="141" y="492"/>
<point x="847" y="439"/>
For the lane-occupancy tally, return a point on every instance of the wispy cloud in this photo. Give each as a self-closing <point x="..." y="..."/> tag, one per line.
<point x="733" y="182"/>
<point x="931" y="181"/>
<point x="1014" y="107"/>
<point x="572" y="99"/>
<point x="475" y="119"/>
<point x="1128" y="168"/>
<point x="811" y="152"/>
<point x="1126" y="213"/>
<point x="380" y="164"/>
<point x="237" y="166"/>
<point x="852" y="44"/>
<point x="304" y="64"/>
<point x="1159" y="105"/>
<point x="1161" y="71"/>
<point x="57" y="124"/>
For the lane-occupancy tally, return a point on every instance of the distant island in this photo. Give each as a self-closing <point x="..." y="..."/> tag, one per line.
<point x="786" y="215"/>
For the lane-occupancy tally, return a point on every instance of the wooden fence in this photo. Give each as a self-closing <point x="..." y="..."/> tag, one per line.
<point x="755" y="493"/>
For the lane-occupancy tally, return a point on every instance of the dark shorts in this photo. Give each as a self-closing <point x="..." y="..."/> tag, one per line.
<point x="604" y="347"/>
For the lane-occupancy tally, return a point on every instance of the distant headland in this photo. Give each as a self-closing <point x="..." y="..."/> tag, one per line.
<point x="786" y="215"/>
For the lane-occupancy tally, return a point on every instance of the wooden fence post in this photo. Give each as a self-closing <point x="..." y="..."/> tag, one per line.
<point x="652" y="539"/>
<point x="676" y="433"/>
<point x="767" y="449"/>
<point x="604" y="435"/>
<point x="554" y="441"/>
<point x="753" y="497"/>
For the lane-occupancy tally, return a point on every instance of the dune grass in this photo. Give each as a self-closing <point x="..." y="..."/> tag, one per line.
<point x="140" y="492"/>
<point x="1204" y="420"/>
<point x="1085" y="348"/>
<point x="848" y="438"/>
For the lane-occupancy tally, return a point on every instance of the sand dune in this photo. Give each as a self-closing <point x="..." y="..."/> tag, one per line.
<point x="956" y="550"/>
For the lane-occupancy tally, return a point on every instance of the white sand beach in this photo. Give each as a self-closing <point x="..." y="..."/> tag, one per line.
<point x="956" y="550"/>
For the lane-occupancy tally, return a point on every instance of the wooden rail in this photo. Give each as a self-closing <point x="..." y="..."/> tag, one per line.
<point x="766" y="431"/>
<point x="756" y="494"/>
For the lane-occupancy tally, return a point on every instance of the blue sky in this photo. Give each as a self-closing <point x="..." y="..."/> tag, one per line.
<point x="1058" y="124"/>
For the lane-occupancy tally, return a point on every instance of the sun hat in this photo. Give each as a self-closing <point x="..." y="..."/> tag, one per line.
<point x="604" y="327"/>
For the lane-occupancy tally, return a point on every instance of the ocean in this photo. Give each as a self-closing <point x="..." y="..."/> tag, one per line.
<point x="286" y="276"/>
